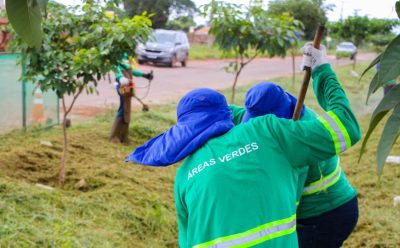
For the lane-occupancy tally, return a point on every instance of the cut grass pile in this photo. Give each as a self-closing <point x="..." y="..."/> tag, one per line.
<point x="108" y="203"/>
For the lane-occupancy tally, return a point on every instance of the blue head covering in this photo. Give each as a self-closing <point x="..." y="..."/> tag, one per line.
<point x="269" y="98"/>
<point x="202" y="114"/>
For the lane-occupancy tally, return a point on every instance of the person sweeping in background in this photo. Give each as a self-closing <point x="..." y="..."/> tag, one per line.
<point x="328" y="210"/>
<point x="238" y="184"/>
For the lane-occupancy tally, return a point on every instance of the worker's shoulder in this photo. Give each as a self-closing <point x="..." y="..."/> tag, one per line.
<point x="255" y="128"/>
<point x="309" y="114"/>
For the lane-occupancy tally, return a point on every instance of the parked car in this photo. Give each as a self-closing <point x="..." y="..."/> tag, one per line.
<point x="166" y="47"/>
<point x="346" y="49"/>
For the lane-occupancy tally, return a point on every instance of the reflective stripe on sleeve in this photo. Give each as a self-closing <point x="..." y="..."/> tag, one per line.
<point x="325" y="183"/>
<point x="336" y="128"/>
<point x="254" y="236"/>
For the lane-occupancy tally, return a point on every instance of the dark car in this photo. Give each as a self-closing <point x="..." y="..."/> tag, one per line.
<point x="166" y="47"/>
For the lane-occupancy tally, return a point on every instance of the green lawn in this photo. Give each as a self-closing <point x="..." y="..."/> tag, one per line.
<point x="127" y="205"/>
<point x="201" y="51"/>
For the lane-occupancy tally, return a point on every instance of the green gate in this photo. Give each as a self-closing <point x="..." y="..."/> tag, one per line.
<point x="21" y="103"/>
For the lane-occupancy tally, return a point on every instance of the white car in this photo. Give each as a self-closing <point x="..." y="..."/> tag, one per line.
<point x="346" y="47"/>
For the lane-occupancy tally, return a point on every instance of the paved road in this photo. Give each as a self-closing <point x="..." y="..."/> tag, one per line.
<point x="171" y="83"/>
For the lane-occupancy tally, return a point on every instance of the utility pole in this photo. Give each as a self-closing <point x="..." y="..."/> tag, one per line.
<point x="341" y="12"/>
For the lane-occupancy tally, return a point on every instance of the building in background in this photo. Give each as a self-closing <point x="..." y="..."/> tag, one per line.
<point x="2" y="4"/>
<point x="201" y="36"/>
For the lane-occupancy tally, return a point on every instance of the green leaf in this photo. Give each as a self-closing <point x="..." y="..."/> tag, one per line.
<point x="374" y="62"/>
<point x="390" y="62"/>
<point x="25" y="18"/>
<point x="386" y="104"/>
<point x="372" y="125"/>
<point x="389" y="136"/>
<point x="280" y="41"/>
<point x="373" y="86"/>
<point x="398" y="8"/>
<point x="43" y="4"/>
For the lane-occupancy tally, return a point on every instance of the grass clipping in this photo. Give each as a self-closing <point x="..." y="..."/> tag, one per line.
<point x="108" y="203"/>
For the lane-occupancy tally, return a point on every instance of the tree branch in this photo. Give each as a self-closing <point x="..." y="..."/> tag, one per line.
<point x="66" y="112"/>
<point x="251" y="59"/>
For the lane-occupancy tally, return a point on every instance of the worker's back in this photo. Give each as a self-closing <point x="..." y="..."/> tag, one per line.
<point x="240" y="188"/>
<point x="244" y="192"/>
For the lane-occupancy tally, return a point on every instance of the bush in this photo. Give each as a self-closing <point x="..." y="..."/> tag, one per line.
<point x="341" y="55"/>
<point x="380" y="41"/>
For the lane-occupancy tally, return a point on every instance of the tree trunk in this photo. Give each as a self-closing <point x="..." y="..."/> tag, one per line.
<point x="234" y="84"/>
<point x="120" y="129"/>
<point x="242" y="64"/>
<point x="61" y="177"/>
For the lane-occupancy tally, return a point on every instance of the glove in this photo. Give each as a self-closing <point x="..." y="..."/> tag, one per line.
<point x="149" y="76"/>
<point x="124" y="81"/>
<point x="313" y="57"/>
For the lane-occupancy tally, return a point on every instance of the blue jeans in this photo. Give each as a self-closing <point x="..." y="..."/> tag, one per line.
<point x="330" y="229"/>
<point x="120" y="112"/>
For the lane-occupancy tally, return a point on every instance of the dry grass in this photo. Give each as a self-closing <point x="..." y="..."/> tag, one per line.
<point x="126" y="205"/>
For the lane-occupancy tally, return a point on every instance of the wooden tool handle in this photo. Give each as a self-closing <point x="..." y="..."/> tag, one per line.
<point x="307" y="76"/>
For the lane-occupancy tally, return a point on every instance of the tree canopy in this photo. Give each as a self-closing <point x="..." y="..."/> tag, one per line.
<point x="359" y="28"/>
<point x="162" y="9"/>
<point x="238" y="29"/>
<point x="310" y="12"/>
<point x="181" y="23"/>
<point x="79" y="45"/>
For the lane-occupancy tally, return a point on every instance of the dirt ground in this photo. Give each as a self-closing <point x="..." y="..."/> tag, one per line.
<point x="170" y="84"/>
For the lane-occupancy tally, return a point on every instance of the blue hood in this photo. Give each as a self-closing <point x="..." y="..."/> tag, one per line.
<point x="269" y="98"/>
<point x="202" y="114"/>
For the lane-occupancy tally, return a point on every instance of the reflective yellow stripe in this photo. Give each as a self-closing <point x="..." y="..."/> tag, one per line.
<point x="334" y="137"/>
<point x="340" y="136"/>
<point x="254" y="236"/>
<point x="342" y="128"/>
<point x="325" y="182"/>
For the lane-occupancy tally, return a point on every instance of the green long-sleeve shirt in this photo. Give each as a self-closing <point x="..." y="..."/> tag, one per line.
<point x="240" y="188"/>
<point x="326" y="186"/>
<point x="322" y="186"/>
<point x="125" y="65"/>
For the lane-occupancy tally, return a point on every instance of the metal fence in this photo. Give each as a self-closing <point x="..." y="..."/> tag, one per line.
<point x="22" y="104"/>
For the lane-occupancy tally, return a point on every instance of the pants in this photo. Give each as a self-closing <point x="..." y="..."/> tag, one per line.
<point x="330" y="229"/>
<point x="120" y="112"/>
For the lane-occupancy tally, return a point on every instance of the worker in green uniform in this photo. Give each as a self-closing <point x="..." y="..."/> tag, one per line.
<point x="328" y="210"/>
<point x="269" y="98"/>
<point x="123" y="81"/>
<point x="237" y="185"/>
